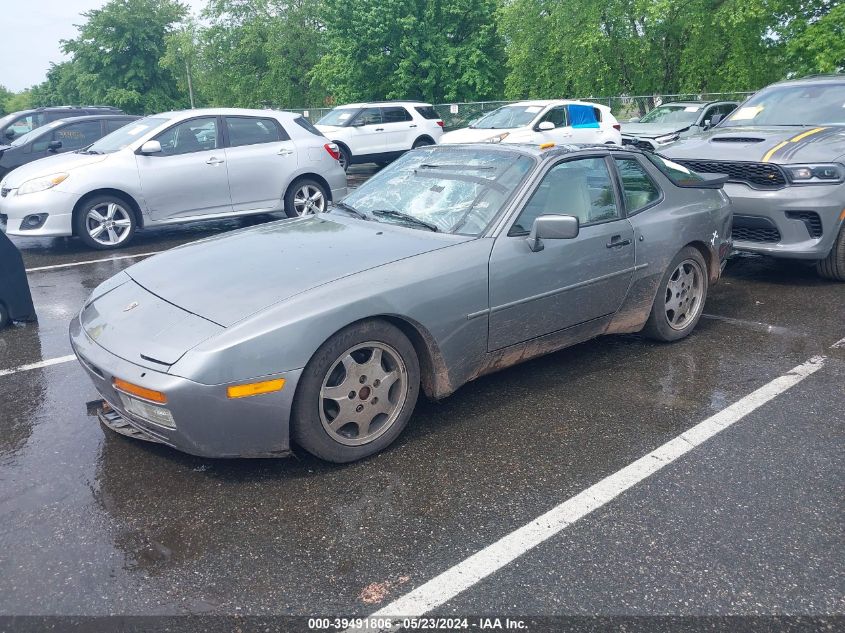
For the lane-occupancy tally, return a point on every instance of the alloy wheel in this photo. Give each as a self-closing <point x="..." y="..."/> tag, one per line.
<point x="108" y="223"/>
<point x="683" y="294"/>
<point x="308" y="200"/>
<point x="363" y="393"/>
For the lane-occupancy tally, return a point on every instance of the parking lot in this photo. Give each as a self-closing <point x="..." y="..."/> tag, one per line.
<point x="746" y="522"/>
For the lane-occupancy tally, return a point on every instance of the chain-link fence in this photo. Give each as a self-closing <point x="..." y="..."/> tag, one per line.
<point x="458" y="115"/>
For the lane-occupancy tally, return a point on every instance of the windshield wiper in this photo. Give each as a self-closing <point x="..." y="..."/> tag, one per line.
<point x="392" y="213"/>
<point x="433" y="166"/>
<point x="352" y="210"/>
<point x="88" y="151"/>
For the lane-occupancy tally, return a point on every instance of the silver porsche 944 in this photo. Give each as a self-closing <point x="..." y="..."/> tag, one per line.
<point x="451" y="263"/>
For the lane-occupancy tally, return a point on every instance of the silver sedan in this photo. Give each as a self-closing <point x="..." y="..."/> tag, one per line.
<point x="453" y="262"/>
<point x="175" y="167"/>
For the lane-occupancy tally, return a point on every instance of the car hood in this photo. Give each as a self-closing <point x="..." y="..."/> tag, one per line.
<point x="788" y="144"/>
<point x="227" y="278"/>
<point x="651" y="130"/>
<point x="51" y="165"/>
<point x="478" y="135"/>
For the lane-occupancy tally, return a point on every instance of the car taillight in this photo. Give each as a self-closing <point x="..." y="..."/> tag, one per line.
<point x="333" y="150"/>
<point x="617" y="126"/>
<point x="440" y="123"/>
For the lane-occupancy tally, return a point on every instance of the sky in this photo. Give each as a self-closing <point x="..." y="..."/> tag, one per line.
<point x="31" y="33"/>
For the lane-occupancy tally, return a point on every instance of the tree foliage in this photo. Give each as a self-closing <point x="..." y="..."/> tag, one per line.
<point x="141" y="54"/>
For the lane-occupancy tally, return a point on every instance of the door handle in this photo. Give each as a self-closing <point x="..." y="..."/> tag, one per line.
<point x="414" y="125"/>
<point x="617" y="242"/>
<point x="285" y="152"/>
<point x="213" y="161"/>
<point x="379" y="129"/>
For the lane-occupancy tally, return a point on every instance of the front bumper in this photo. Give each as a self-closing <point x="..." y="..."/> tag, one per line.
<point x="771" y="222"/>
<point x="58" y="205"/>
<point x="208" y="423"/>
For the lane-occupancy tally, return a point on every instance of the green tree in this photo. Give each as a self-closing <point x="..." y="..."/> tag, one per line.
<point x="115" y="57"/>
<point x="60" y="87"/>
<point x="260" y="52"/>
<point x="18" y="101"/>
<point x="819" y="47"/>
<point x="436" y="50"/>
<point x="5" y="94"/>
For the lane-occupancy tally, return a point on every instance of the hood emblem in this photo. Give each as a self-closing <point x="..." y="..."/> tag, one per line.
<point x="131" y="306"/>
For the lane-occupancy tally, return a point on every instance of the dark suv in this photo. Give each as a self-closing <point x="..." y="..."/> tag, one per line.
<point x="19" y="123"/>
<point x="64" y="135"/>
<point x="783" y="151"/>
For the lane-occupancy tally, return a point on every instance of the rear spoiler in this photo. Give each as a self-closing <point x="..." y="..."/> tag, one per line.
<point x="708" y="181"/>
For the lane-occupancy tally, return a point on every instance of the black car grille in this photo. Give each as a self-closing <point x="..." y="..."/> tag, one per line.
<point x="637" y="143"/>
<point x="810" y="218"/>
<point x="761" y="175"/>
<point x="754" y="229"/>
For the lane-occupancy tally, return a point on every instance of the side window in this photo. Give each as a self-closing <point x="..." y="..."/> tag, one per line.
<point x="77" y="135"/>
<point x="556" y="115"/>
<point x="581" y="187"/>
<point x="115" y="124"/>
<point x="196" y="135"/>
<point x="395" y="115"/>
<point x="252" y="131"/>
<point x="640" y="190"/>
<point x="597" y="112"/>
<point x="368" y="116"/>
<point x="26" y="123"/>
<point x="427" y="112"/>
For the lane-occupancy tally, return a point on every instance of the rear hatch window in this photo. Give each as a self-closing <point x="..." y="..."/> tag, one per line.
<point x="427" y="112"/>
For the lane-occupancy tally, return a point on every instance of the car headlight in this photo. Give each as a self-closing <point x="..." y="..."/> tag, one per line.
<point x="498" y="138"/>
<point x="41" y="184"/>
<point x="822" y="173"/>
<point x="667" y="138"/>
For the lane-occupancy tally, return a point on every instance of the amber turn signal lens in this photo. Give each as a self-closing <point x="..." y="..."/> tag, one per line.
<point x="255" y="388"/>
<point x="141" y="392"/>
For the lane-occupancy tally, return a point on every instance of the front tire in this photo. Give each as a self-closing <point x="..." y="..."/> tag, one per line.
<point x="305" y="197"/>
<point x="680" y="297"/>
<point x="357" y="393"/>
<point x="4" y="316"/>
<point x="833" y="266"/>
<point x="105" y="222"/>
<point x="421" y="142"/>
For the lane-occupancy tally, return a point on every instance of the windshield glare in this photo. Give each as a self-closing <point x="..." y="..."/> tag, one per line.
<point x="129" y="133"/>
<point x="339" y="116"/>
<point x="820" y="104"/>
<point x="458" y="190"/>
<point x="672" y="114"/>
<point x="34" y="134"/>
<point x="508" y="117"/>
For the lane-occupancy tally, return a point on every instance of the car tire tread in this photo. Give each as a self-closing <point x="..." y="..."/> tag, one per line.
<point x="833" y="266"/>
<point x="656" y="327"/>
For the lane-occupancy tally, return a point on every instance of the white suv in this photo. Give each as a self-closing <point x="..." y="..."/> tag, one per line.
<point x="380" y="132"/>
<point x="548" y="121"/>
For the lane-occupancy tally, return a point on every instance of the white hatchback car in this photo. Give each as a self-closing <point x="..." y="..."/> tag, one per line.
<point x="550" y="121"/>
<point x="175" y="167"/>
<point x="380" y="132"/>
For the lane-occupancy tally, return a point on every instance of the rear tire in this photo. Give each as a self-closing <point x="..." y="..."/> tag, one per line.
<point x="833" y="266"/>
<point x="421" y="142"/>
<point x="305" y="197"/>
<point x="4" y="316"/>
<point x="345" y="158"/>
<point x="680" y="297"/>
<point x="105" y="222"/>
<point x="350" y="403"/>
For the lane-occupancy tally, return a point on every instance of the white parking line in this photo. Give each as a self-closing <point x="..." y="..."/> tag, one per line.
<point x="43" y="363"/>
<point x="838" y="344"/>
<point x="472" y="570"/>
<point x="91" y="261"/>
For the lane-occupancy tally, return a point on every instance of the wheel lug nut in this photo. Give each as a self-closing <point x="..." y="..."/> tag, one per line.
<point x="362" y="379"/>
<point x="351" y="395"/>
<point x="359" y="408"/>
<point x="374" y="401"/>
<point x="376" y="383"/>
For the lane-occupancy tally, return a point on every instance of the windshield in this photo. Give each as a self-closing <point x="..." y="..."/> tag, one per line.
<point x="458" y="190"/>
<point x="672" y="113"/>
<point x="122" y="137"/>
<point x="339" y="116"/>
<point x="34" y="134"/>
<point x="508" y="117"/>
<point x="819" y="104"/>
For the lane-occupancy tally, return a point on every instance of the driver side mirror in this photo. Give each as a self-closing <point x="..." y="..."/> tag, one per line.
<point x="10" y="134"/>
<point x="151" y="147"/>
<point x="552" y="227"/>
<point x="714" y="120"/>
<point x="545" y="126"/>
<point x="54" y="146"/>
<point x="636" y="119"/>
<point x="357" y="123"/>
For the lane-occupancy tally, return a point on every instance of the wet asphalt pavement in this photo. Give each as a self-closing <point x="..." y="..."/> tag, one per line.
<point x="750" y="522"/>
